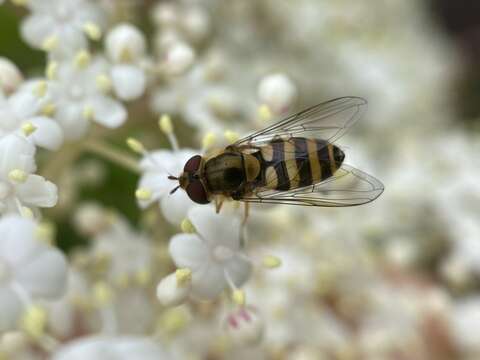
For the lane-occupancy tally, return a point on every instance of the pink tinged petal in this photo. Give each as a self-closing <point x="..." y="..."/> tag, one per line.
<point x="36" y="28"/>
<point x="10" y="309"/>
<point x="238" y="269"/>
<point x="48" y="133"/>
<point x="175" y="207"/>
<point x="209" y="282"/>
<point x="188" y="250"/>
<point x="45" y="276"/>
<point x="37" y="191"/>
<point x="17" y="243"/>
<point x="16" y="153"/>
<point x="71" y="119"/>
<point x="108" y="112"/>
<point x="128" y="81"/>
<point x="216" y="229"/>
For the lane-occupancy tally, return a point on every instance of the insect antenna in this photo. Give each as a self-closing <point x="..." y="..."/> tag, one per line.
<point x="175" y="189"/>
<point x="171" y="177"/>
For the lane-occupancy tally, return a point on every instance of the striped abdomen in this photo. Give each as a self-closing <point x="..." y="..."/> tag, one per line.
<point x="297" y="162"/>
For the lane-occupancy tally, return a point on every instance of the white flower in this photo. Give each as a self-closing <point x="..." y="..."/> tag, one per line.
<point x="464" y="321"/>
<point x="174" y="289"/>
<point x="18" y="186"/>
<point x="278" y="92"/>
<point x="60" y="26"/>
<point x="18" y="114"/>
<point x="77" y="90"/>
<point x="179" y="58"/>
<point x="126" y="46"/>
<point x="29" y="269"/>
<point x="213" y="253"/>
<point x="120" y="348"/>
<point x="156" y="167"/>
<point x="10" y="76"/>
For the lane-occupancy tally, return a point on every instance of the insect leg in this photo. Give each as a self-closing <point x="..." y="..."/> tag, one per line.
<point x="218" y="203"/>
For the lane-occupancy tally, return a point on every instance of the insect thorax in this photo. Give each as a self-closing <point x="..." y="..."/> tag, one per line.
<point x="225" y="172"/>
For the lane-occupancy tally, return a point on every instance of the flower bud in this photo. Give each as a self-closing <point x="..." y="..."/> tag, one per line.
<point x="196" y="24"/>
<point x="278" y="92"/>
<point x="245" y="326"/>
<point x="179" y="58"/>
<point x="174" y="288"/>
<point x="10" y="76"/>
<point x="125" y="43"/>
<point x="90" y="219"/>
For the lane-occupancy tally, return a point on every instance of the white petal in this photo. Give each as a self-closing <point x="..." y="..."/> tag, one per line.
<point x="37" y="191"/>
<point x="24" y="103"/>
<point x="17" y="243"/>
<point x="188" y="250"/>
<point x="11" y="308"/>
<point x="45" y="275"/>
<point x="208" y="283"/>
<point x="48" y="133"/>
<point x="108" y="112"/>
<point x="70" y="118"/>
<point x="16" y="153"/>
<point x="128" y="81"/>
<point x="216" y="228"/>
<point x="36" y="28"/>
<point x="175" y="207"/>
<point x="239" y="270"/>
<point x="158" y="183"/>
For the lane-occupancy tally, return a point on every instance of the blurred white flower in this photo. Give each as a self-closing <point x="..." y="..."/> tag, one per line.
<point x="17" y="115"/>
<point x="278" y="92"/>
<point x="120" y="348"/>
<point x="156" y="166"/>
<point x="244" y="326"/>
<point x="126" y="46"/>
<point x="18" y="186"/>
<point x="465" y="321"/>
<point x="213" y="253"/>
<point x="174" y="289"/>
<point x="79" y="92"/>
<point x="10" y="76"/>
<point x="29" y="269"/>
<point x="62" y="26"/>
<point x="178" y="59"/>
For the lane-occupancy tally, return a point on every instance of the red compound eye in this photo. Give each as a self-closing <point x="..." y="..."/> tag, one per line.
<point x="193" y="164"/>
<point x="196" y="192"/>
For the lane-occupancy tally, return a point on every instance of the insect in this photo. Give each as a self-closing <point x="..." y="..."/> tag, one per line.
<point x="294" y="161"/>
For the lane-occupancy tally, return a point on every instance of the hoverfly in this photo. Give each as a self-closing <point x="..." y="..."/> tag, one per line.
<point x="294" y="161"/>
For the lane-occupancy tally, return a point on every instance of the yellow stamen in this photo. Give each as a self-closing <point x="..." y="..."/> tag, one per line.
<point x="165" y="124"/>
<point x="34" y="321"/>
<point x="82" y="59"/>
<point x="143" y="194"/>
<point x="50" y="43"/>
<point x="88" y="113"/>
<point x="136" y="146"/>
<point x="104" y="83"/>
<point x="18" y="176"/>
<point x="187" y="226"/>
<point x="209" y="140"/>
<point x="272" y="262"/>
<point x="40" y="88"/>
<point x="49" y="109"/>
<point x="92" y="30"/>
<point x="264" y="113"/>
<point x="52" y="69"/>
<point x="28" y="128"/>
<point x="184" y="276"/>
<point x="238" y="297"/>
<point x="102" y="294"/>
<point x="46" y="233"/>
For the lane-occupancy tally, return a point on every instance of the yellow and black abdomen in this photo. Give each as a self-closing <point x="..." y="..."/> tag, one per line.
<point x="297" y="162"/>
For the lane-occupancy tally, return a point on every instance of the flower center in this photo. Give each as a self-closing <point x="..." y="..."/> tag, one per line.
<point x="76" y="92"/>
<point x="222" y="253"/>
<point x="4" y="271"/>
<point x="4" y="190"/>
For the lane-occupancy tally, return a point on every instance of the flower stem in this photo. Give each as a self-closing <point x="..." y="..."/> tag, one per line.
<point x="108" y="152"/>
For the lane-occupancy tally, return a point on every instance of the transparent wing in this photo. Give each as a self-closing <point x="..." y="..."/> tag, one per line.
<point x="328" y="121"/>
<point x="347" y="187"/>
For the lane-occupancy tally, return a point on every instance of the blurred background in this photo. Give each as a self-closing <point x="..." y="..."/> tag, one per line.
<point x="396" y="279"/>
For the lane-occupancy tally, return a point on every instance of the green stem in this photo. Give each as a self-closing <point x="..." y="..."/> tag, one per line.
<point x="108" y="152"/>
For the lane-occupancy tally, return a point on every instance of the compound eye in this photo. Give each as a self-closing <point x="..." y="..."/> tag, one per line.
<point x="193" y="164"/>
<point x="196" y="192"/>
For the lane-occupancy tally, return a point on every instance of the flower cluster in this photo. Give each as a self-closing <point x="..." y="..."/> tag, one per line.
<point x="95" y="263"/>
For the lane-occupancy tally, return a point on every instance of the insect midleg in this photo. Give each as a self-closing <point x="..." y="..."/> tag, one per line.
<point x="218" y="204"/>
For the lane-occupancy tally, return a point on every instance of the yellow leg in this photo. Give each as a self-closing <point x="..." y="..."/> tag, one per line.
<point x="246" y="213"/>
<point x="218" y="204"/>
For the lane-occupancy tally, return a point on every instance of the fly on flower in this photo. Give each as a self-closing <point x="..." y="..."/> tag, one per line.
<point x="294" y="161"/>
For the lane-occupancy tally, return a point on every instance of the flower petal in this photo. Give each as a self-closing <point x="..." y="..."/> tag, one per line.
<point x="36" y="28"/>
<point x="238" y="269"/>
<point x="11" y="308"/>
<point x="17" y="244"/>
<point x="45" y="276"/>
<point x="108" y="112"/>
<point x="70" y="118"/>
<point x="188" y="250"/>
<point x="175" y="206"/>
<point x="208" y="283"/>
<point x="37" y="191"/>
<point x="128" y="81"/>
<point x="48" y="133"/>
<point x="217" y="229"/>
<point x="16" y="153"/>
